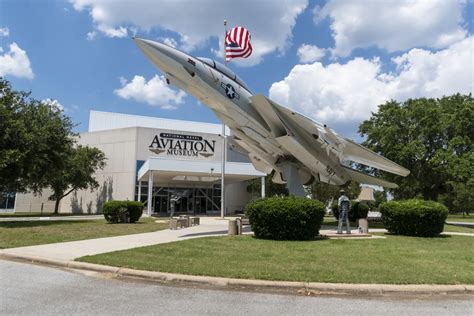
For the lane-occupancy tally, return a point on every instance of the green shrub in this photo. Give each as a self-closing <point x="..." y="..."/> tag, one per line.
<point x="358" y="210"/>
<point x="122" y="211"/>
<point x="135" y="210"/>
<point x="414" y="217"/>
<point x="285" y="218"/>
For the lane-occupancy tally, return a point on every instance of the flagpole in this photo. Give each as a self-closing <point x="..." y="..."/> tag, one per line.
<point x="225" y="28"/>
<point x="224" y="149"/>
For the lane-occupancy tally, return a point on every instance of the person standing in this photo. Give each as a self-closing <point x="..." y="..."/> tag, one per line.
<point x="344" y="206"/>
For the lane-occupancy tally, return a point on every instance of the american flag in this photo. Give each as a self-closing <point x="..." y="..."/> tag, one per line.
<point x="237" y="43"/>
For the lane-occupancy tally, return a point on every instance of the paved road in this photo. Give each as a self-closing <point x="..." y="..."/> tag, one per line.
<point x="36" y="290"/>
<point x="51" y="218"/>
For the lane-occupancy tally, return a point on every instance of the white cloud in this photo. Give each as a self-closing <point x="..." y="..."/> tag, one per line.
<point x="119" y="32"/>
<point x="310" y="53"/>
<point x="15" y="62"/>
<point x="345" y="94"/>
<point x="394" y="25"/>
<point x="91" y="35"/>
<point x="154" y="92"/>
<point x="196" y="22"/>
<point x="4" y="32"/>
<point x="54" y="104"/>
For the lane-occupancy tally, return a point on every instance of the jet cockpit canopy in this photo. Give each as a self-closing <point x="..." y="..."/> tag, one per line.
<point x="224" y="70"/>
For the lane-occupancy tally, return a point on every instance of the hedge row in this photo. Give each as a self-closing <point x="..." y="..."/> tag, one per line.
<point x="285" y="218"/>
<point x="414" y="217"/>
<point x="122" y="211"/>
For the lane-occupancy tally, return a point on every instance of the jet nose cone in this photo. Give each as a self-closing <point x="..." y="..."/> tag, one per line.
<point x="148" y="45"/>
<point x="160" y="55"/>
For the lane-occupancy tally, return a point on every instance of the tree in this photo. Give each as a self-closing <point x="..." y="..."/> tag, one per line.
<point x="433" y="139"/>
<point x="459" y="196"/>
<point x="76" y="172"/>
<point x="34" y="137"/>
<point x="38" y="148"/>
<point x="326" y="192"/>
<point x="380" y="197"/>
<point x="271" y="188"/>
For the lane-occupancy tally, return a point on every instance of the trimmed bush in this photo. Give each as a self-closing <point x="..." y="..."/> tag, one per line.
<point x="414" y="217"/>
<point x="122" y="211"/>
<point x="135" y="210"/>
<point x="358" y="210"/>
<point x="285" y="218"/>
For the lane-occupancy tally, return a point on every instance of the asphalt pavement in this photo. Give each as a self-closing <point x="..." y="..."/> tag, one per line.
<point x="38" y="290"/>
<point x="50" y="218"/>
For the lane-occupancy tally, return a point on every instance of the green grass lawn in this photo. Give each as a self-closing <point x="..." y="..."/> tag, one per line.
<point x="458" y="229"/>
<point x="396" y="259"/>
<point x="27" y="233"/>
<point x="460" y="218"/>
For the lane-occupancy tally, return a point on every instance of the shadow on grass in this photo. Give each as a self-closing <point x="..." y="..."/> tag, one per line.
<point x="423" y="237"/>
<point x="317" y="238"/>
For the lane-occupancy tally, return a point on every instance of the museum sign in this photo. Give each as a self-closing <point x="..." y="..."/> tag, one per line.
<point x="182" y="145"/>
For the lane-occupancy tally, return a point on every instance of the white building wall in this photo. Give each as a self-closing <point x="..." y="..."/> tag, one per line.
<point x="32" y="203"/>
<point x="116" y="180"/>
<point x="236" y="197"/>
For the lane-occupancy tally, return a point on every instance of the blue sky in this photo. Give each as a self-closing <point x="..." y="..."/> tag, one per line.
<point x="334" y="61"/>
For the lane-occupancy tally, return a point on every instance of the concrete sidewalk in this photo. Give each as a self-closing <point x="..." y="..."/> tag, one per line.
<point x="75" y="249"/>
<point x="462" y="224"/>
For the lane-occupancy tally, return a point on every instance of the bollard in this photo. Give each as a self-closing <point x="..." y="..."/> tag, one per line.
<point x="232" y="227"/>
<point x="239" y="226"/>
<point x="363" y="226"/>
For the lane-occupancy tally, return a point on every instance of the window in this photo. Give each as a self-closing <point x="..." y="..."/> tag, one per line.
<point x="7" y="200"/>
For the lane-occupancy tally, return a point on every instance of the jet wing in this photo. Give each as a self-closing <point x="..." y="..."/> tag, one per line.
<point x="357" y="153"/>
<point x="280" y="120"/>
<point x="368" y="179"/>
<point x="349" y="149"/>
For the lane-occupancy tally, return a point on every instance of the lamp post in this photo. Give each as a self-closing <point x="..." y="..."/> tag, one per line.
<point x="223" y="156"/>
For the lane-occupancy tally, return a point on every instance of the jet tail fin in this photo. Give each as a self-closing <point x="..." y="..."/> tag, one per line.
<point x="367" y="179"/>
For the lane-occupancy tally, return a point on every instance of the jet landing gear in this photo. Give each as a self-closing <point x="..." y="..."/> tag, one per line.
<point x="292" y="178"/>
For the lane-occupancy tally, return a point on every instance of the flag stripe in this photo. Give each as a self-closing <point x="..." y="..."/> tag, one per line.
<point x="237" y="43"/>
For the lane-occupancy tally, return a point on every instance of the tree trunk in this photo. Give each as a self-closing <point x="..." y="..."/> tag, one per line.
<point x="56" y="206"/>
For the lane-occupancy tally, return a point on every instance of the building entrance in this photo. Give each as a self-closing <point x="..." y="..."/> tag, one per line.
<point x="197" y="200"/>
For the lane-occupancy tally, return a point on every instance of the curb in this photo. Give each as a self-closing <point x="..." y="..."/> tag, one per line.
<point x="305" y="287"/>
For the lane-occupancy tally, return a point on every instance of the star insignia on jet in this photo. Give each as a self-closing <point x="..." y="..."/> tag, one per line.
<point x="230" y="91"/>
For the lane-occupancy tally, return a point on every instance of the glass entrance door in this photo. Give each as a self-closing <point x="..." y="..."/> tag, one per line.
<point x="161" y="204"/>
<point x="200" y="205"/>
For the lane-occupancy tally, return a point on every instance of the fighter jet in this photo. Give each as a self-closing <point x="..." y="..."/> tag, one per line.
<point x="299" y="149"/>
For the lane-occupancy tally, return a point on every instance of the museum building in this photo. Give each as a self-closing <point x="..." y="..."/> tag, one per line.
<point x="175" y="159"/>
